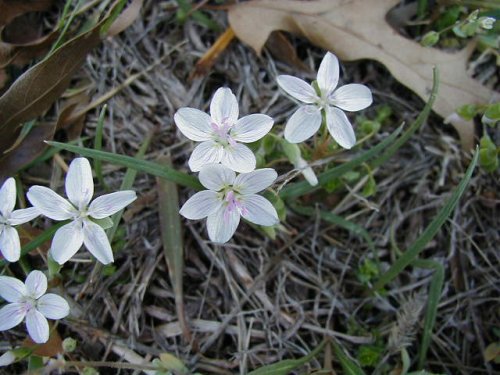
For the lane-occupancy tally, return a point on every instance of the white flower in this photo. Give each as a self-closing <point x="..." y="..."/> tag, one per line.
<point x="9" y="238"/>
<point x="220" y="133"/>
<point x="29" y="300"/>
<point x="82" y="229"/>
<point x="330" y="101"/>
<point x="228" y="197"/>
<point x="487" y="22"/>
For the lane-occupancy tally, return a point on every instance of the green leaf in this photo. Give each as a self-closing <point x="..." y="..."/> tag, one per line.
<point x="337" y="220"/>
<point x="155" y="169"/>
<point x="288" y="365"/>
<point x="348" y="365"/>
<point x="300" y="188"/>
<point x="422" y="117"/>
<point x="468" y="111"/>
<point x="105" y="223"/>
<point x="488" y="154"/>
<point x="411" y="254"/>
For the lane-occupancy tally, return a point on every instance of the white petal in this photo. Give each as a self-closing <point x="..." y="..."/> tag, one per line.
<point x="7" y="197"/>
<point x="255" y="181"/>
<point x="12" y="289"/>
<point x="11" y="315"/>
<point x="7" y="358"/>
<point x="340" y="128"/>
<point x="79" y="183"/>
<point x="299" y="89"/>
<point x="328" y="73"/>
<point x="23" y="215"/>
<point x="96" y="241"/>
<point x="216" y="176"/>
<point x="50" y="204"/>
<point x="194" y="124"/>
<point x="259" y="210"/>
<point x="67" y="241"/>
<point x="200" y="205"/>
<point x="38" y="327"/>
<point x="9" y="244"/>
<point x="207" y="152"/>
<point x="303" y="124"/>
<point x="251" y="128"/>
<point x="109" y="204"/>
<point x="221" y="226"/>
<point x="352" y="97"/>
<point x="239" y="158"/>
<point x="307" y="172"/>
<point x="53" y="306"/>
<point x="36" y="284"/>
<point x="224" y="107"/>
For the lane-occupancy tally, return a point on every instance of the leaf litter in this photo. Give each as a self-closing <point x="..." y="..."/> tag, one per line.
<point x="311" y="272"/>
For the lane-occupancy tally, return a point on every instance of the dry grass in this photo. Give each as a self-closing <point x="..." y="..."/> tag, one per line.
<point x="256" y="301"/>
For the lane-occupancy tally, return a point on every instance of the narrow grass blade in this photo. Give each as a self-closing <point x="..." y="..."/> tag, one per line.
<point x="288" y="365"/>
<point x="98" y="146"/>
<point x="337" y="220"/>
<point x="171" y="236"/>
<point x="300" y="188"/>
<point x="422" y="117"/>
<point x="348" y="365"/>
<point x="435" y="290"/>
<point x="155" y="169"/>
<point x="39" y="240"/>
<point x="411" y="254"/>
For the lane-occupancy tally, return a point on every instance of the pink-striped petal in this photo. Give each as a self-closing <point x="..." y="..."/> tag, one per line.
<point x="340" y="128"/>
<point x="216" y="176"/>
<point x="205" y="153"/>
<point x="222" y="224"/>
<point x="297" y="88"/>
<point x="251" y="128"/>
<point x="36" y="284"/>
<point x="255" y="181"/>
<point x="201" y="205"/>
<point x="53" y="306"/>
<point x="96" y="241"/>
<point x="7" y="197"/>
<point x="38" y="327"/>
<point x="239" y="158"/>
<point x="259" y="210"/>
<point x="50" y="204"/>
<point x="109" y="204"/>
<point x="224" y="107"/>
<point x="194" y="124"/>
<point x="328" y="74"/>
<point x="303" y="124"/>
<point x="67" y="241"/>
<point x="11" y="315"/>
<point x="10" y="245"/>
<point x="79" y="183"/>
<point x="352" y="97"/>
<point x="12" y="289"/>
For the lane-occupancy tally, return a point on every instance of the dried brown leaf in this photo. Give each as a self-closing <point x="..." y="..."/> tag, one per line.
<point x="10" y="9"/>
<point x="355" y="31"/>
<point x="128" y="16"/>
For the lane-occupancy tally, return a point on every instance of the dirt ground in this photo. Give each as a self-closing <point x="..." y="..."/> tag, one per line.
<point x="255" y="301"/>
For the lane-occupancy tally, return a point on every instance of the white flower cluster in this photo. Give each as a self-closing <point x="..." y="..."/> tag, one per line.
<point x="29" y="300"/>
<point x="221" y="152"/>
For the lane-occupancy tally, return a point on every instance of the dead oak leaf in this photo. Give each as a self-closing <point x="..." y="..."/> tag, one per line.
<point x="356" y="30"/>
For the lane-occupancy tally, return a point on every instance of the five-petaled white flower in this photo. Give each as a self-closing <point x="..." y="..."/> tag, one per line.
<point x="9" y="238"/>
<point x="228" y="197"/>
<point x="29" y="300"/>
<point x="330" y="100"/>
<point x="82" y="229"/>
<point x="220" y="133"/>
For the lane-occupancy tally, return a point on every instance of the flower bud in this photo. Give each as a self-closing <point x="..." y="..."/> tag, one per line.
<point x="430" y="39"/>
<point x="486" y="22"/>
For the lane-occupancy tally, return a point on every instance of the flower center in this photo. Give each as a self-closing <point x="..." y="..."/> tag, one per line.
<point x="222" y="133"/>
<point x="233" y="204"/>
<point x="29" y="304"/>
